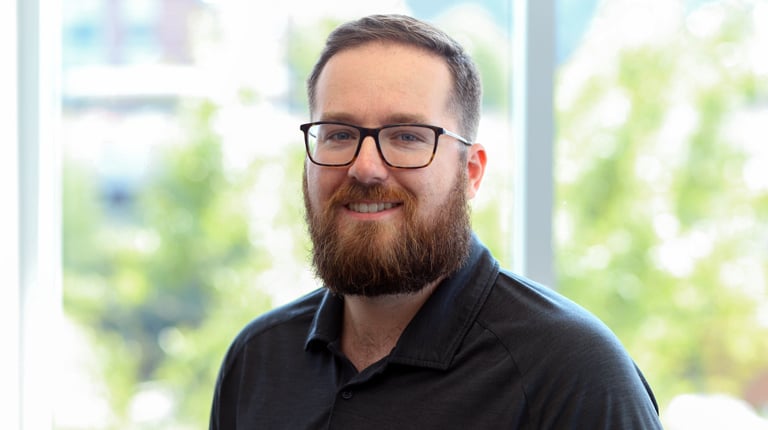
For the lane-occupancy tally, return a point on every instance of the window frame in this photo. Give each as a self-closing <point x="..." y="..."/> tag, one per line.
<point x="533" y="121"/>
<point x="31" y="304"/>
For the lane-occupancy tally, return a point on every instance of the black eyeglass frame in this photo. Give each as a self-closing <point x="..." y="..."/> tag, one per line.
<point x="374" y="132"/>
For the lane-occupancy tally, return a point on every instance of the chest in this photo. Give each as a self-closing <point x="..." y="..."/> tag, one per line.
<point x="477" y="391"/>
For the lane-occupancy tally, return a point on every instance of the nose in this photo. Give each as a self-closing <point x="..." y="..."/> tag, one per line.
<point x="369" y="167"/>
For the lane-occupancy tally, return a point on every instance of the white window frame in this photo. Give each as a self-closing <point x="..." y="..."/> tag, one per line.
<point x="30" y="304"/>
<point x="533" y="121"/>
<point x="10" y="381"/>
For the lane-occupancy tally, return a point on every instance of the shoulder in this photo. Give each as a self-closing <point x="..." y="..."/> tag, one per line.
<point x="516" y="303"/>
<point x="290" y="320"/>
<point x="566" y="356"/>
<point x="550" y="337"/>
<point x="258" y="349"/>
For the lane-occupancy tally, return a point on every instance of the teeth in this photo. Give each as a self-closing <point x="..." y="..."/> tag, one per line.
<point x="370" y="207"/>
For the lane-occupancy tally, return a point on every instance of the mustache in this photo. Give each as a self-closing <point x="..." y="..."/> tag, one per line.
<point x="357" y="191"/>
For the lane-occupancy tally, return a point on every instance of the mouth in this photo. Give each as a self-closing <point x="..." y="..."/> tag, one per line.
<point x="366" y="208"/>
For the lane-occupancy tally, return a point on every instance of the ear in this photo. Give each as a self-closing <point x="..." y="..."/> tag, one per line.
<point x="476" y="160"/>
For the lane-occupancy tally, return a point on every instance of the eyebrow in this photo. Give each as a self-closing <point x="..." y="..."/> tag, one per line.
<point x="398" y="118"/>
<point x="340" y="117"/>
<point x="405" y="118"/>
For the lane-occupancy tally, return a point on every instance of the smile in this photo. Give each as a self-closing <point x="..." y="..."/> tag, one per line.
<point x="370" y="207"/>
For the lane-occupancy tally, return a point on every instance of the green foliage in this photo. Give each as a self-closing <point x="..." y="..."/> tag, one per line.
<point x="162" y="291"/>
<point x="652" y="245"/>
<point x="486" y="223"/>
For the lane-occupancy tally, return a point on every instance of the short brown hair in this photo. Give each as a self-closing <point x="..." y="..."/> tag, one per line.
<point x="466" y="96"/>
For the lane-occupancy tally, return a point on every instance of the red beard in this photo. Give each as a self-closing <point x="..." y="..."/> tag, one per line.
<point x="357" y="260"/>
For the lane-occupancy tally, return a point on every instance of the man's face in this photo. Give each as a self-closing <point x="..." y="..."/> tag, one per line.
<point x="375" y="229"/>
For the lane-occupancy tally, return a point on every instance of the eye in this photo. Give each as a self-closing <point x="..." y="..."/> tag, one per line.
<point x="335" y="134"/>
<point x="340" y="135"/>
<point x="408" y="136"/>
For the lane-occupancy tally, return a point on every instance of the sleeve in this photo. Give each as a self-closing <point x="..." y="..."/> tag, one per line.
<point x="589" y="381"/>
<point x="225" y="395"/>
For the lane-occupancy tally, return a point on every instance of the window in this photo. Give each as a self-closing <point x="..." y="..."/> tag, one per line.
<point x="179" y="223"/>
<point x="182" y="212"/>
<point x="660" y="207"/>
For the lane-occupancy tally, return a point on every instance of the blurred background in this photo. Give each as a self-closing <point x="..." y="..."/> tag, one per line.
<point x="183" y="219"/>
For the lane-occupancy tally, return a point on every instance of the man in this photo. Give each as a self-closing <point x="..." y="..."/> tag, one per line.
<point x="416" y="326"/>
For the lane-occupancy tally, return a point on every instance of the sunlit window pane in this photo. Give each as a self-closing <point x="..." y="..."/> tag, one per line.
<point x="661" y="208"/>
<point x="183" y="216"/>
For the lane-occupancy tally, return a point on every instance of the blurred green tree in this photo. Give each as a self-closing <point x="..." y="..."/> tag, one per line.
<point x="163" y="290"/>
<point x="657" y="228"/>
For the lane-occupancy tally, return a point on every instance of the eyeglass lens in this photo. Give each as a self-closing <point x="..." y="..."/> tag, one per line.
<point x="401" y="146"/>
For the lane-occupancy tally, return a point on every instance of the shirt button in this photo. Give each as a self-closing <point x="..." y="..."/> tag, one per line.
<point x="346" y="395"/>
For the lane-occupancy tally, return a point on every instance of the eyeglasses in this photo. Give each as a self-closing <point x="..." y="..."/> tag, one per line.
<point x="405" y="146"/>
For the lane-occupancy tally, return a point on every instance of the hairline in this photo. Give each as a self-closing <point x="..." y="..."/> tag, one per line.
<point x="465" y="95"/>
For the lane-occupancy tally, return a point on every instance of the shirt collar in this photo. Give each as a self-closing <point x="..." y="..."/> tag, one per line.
<point x="436" y="331"/>
<point x="326" y="326"/>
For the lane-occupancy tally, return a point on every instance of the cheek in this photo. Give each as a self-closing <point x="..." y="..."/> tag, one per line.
<point x="428" y="192"/>
<point x="434" y="192"/>
<point x="322" y="182"/>
<point x="433" y="185"/>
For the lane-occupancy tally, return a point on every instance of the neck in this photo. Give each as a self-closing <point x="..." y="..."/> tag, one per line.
<point x="373" y="325"/>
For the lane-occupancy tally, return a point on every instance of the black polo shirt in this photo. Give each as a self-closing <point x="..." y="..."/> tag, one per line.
<point x="488" y="350"/>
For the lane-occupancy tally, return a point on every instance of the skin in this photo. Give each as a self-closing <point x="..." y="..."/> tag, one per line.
<point x="373" y="85"/>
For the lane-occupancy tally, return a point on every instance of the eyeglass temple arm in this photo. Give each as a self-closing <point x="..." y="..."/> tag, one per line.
<point x="457" y="137"/>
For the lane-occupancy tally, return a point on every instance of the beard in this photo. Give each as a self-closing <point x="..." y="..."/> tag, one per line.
<point x="375" y="259"/>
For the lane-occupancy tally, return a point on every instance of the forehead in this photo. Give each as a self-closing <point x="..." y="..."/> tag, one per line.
<point x="378" y="79"/>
